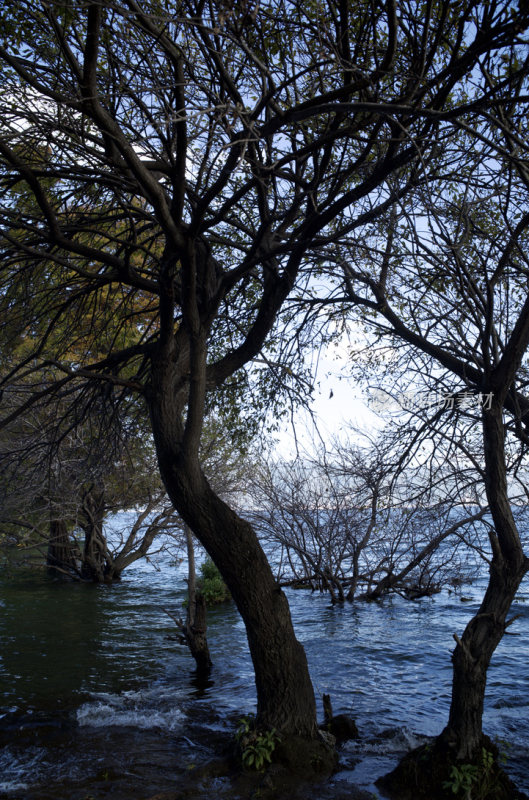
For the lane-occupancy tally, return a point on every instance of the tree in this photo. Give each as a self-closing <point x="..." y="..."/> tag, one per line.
<point x="199" y="158"/>
<point x="64" y="478"/>
<point x="225" y="464"/>
<point x="449" y="279"/>
<point x="360" y="522"/>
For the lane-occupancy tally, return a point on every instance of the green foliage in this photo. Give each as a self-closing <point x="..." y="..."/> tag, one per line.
<point x="245" y="726"/>
<point x="462" y="778"/>
<point x="473" y="781"/>
<point x="211" y="585"/>
<point x="256" y="746"/>
<point x="503" y="747"/>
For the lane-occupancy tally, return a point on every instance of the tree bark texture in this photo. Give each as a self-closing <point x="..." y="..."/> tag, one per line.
<point x="195" y="633"/>
<point x="471" y="659"/>
<point x="285" y="698"/>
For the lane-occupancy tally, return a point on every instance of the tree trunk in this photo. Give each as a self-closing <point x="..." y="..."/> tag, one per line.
<point x="195" y="633"/>
<point x="61" y="552"/>
<point x="462" y="739"/>
<point x="95" y="565"/>
<point x="285" y="697"/>
<point x="483" y="633"/>
<point x="191" y="575"/>
<point x="471" y="659"/>
<point x="196" y="623"/>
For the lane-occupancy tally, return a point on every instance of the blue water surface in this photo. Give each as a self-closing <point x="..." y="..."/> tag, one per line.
<point x="95" y="688"/>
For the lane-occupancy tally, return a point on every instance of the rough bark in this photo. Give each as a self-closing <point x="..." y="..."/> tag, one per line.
<point x="195" y="634"/>
<point x="285" y="698"/>
<point x="471" y="659"/>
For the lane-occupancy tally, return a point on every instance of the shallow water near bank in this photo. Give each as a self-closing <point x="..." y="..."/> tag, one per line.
<point x="99" y="700"/>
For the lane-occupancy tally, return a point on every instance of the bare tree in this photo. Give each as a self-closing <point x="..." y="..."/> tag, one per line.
<point x="359" y="523"/>
<point x="448" y="277"/>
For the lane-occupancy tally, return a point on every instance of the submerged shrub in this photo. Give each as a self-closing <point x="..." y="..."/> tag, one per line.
<point x="211" y="585"/>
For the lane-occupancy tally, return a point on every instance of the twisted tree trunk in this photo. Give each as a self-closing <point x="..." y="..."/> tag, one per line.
<point x="95" y="564"/>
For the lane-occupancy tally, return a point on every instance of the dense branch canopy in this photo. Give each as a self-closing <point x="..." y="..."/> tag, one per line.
<point x="171" y="170"/>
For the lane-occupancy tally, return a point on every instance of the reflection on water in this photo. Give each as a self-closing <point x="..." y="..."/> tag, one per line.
<point x="96" y="689"/>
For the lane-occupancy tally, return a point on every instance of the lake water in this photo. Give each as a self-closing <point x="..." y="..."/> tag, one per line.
<point x="98" y="699"/>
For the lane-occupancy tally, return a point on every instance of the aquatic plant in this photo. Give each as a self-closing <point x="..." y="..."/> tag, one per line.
<point x="256" y="746"/>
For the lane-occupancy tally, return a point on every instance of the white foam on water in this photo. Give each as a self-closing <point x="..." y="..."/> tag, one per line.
<point x="412" y="740"/>
<point x="389" y="743"/>
<point x="13" y="766"/>
<point x="106" y="715"/>
<point x="152" y="708"/>
<point x="7" y="787"/>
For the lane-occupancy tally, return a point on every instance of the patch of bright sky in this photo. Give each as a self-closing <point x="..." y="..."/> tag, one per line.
<point x="340" y="404"/>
